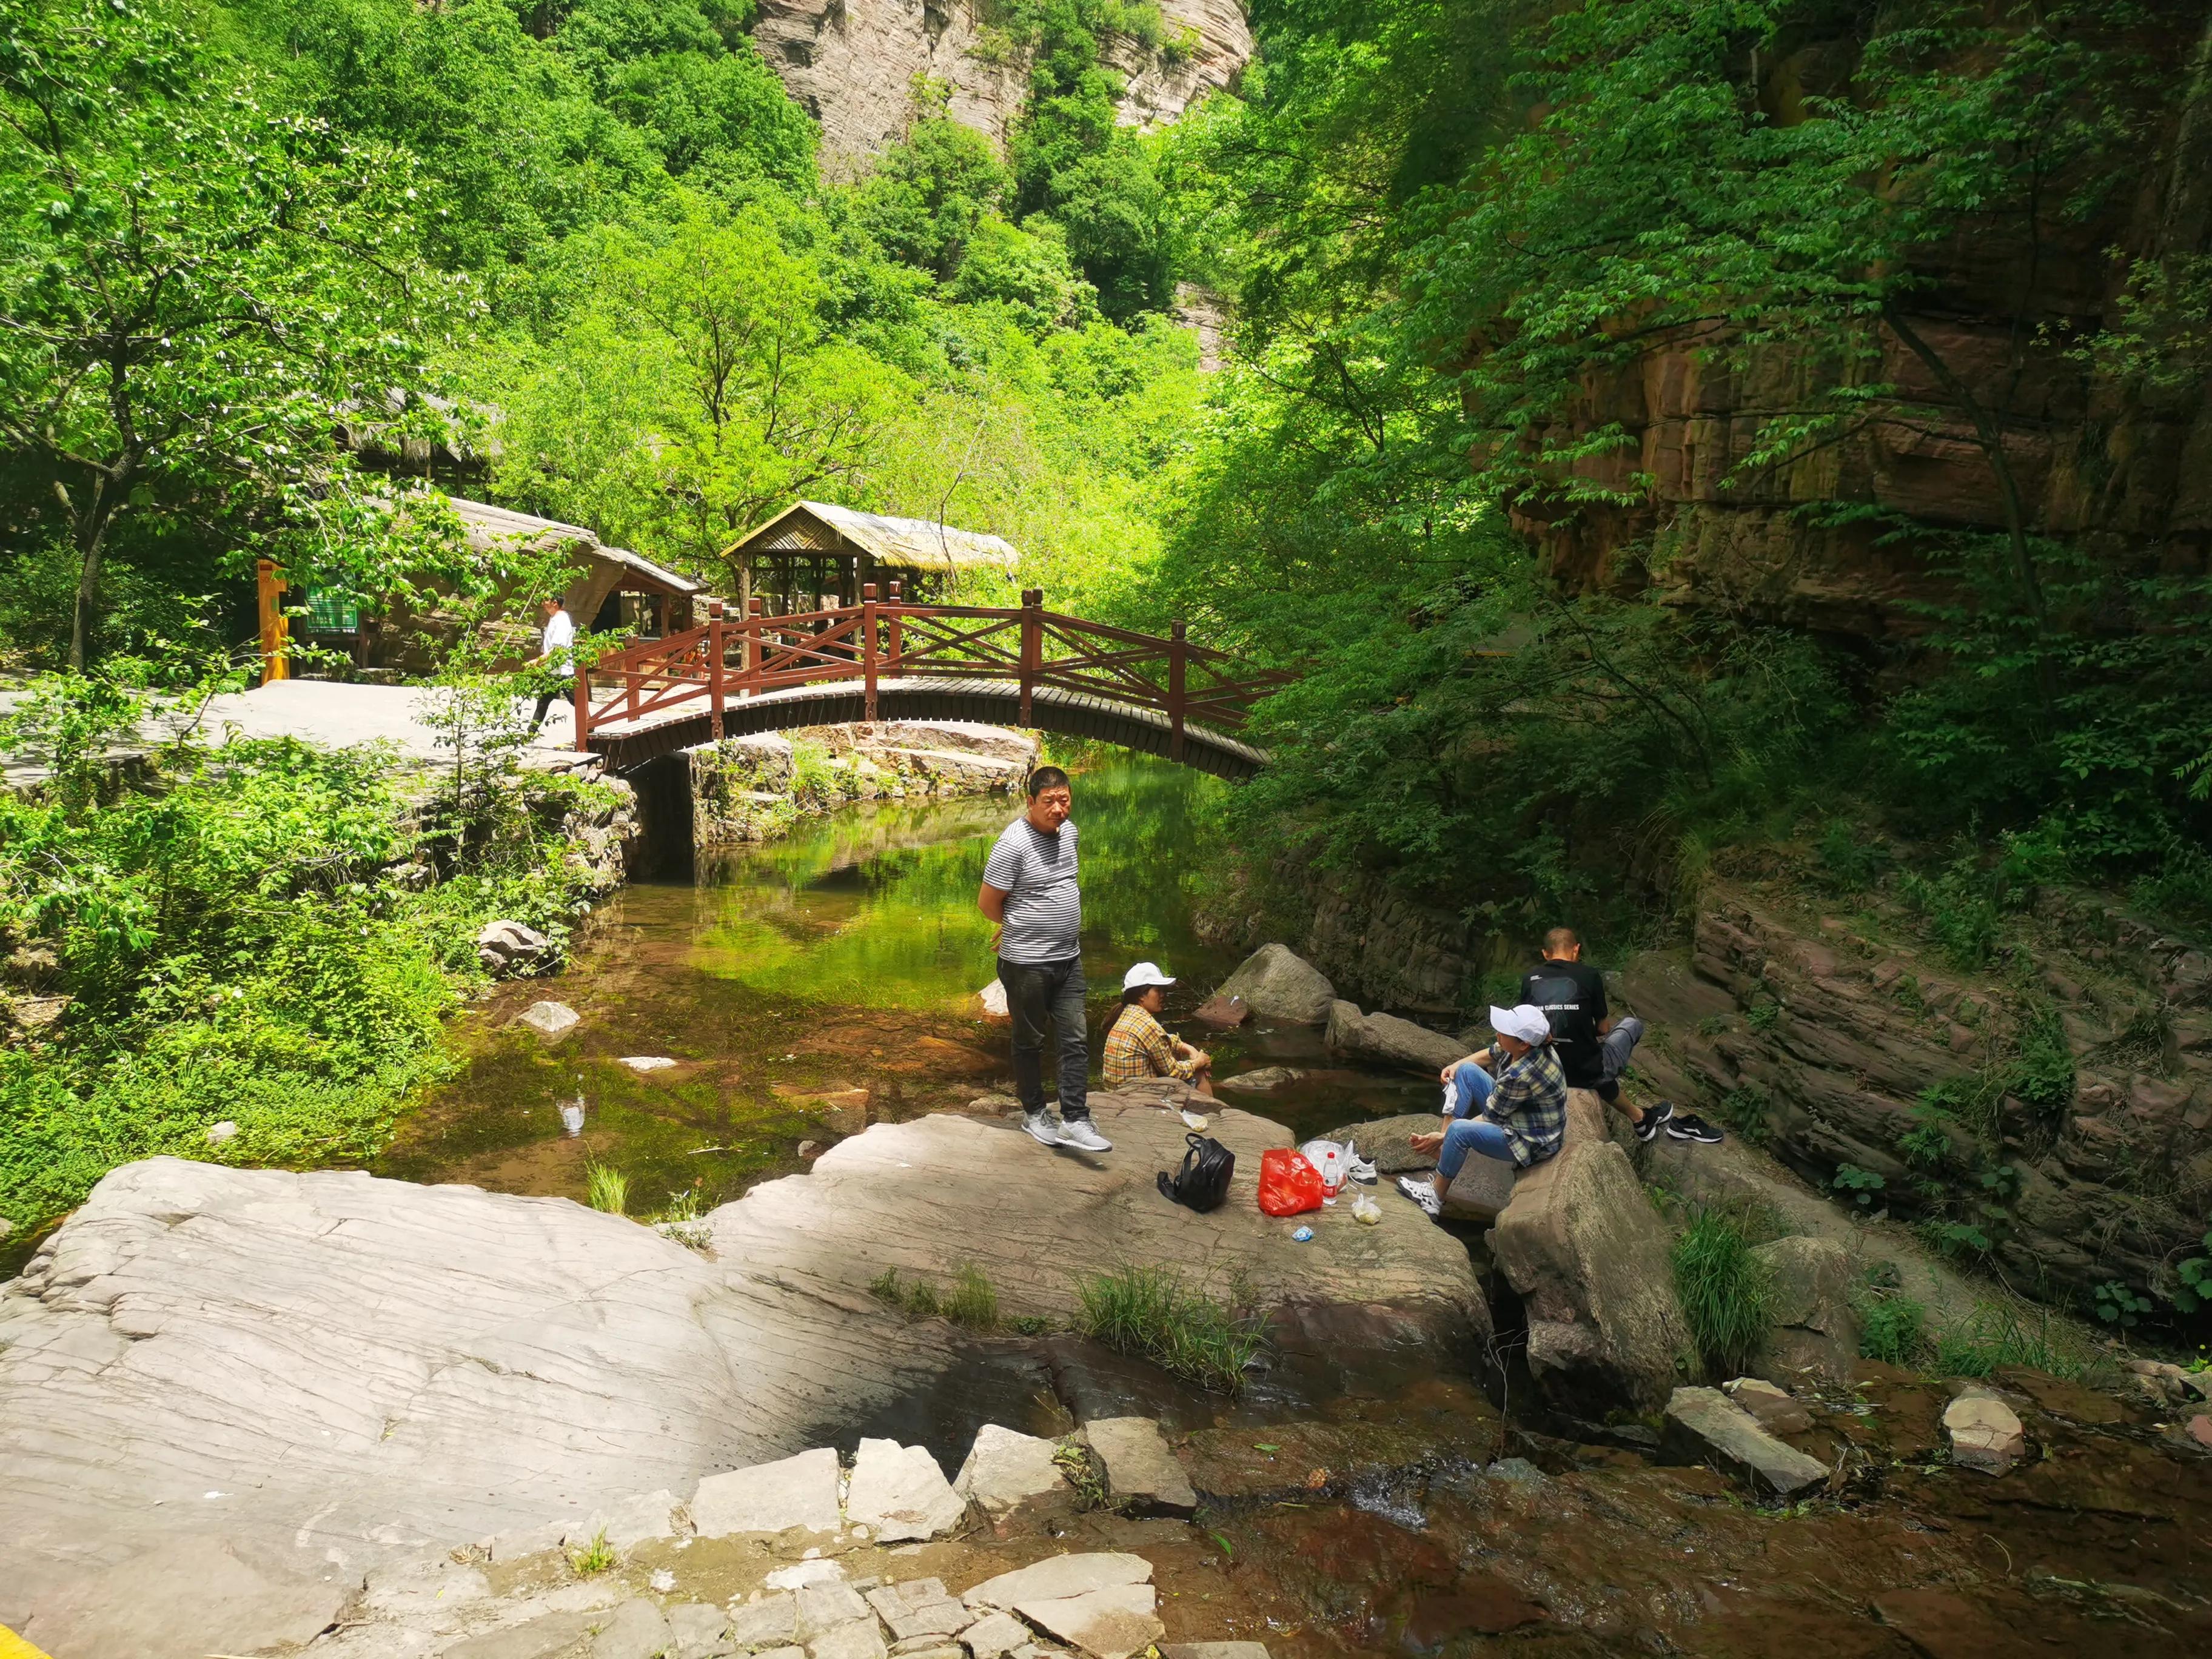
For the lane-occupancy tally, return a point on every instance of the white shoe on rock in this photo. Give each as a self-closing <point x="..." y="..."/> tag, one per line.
<point x="1078" y="1132"/>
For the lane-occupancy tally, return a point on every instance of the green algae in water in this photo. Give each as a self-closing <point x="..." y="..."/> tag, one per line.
<point x="878" y="908"/>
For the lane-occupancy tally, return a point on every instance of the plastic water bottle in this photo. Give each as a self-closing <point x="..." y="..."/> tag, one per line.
<point x="572" y="1116"/>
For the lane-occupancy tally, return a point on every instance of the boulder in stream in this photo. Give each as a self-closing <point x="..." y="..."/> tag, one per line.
<point x="1815" y="1333"/>
<point x="509" y="947"/>
<point x="550" y="1020"/>
<point x="1141" y="1471"/>
<point x="1590" y="1260"/>
<point x="1007" y="1470"/>
<point x="1279" y="983"/>
<point x="1221" y="1014"/>
<point x="1393" y="1041"/>
<point x="899" y="1492"/>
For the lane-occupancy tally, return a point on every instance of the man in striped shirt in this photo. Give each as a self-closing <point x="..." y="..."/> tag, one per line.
<point x="1030" y="890"/>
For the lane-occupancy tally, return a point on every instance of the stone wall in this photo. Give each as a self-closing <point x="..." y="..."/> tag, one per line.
<point x="754" y="788"/>
<point x="1823" y="1035"/>
<point x="852" y="64"/>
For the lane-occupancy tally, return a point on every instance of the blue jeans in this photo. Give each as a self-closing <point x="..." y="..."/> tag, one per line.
<point x="1037" y="992"/>
<point x="1471" y="1088"/>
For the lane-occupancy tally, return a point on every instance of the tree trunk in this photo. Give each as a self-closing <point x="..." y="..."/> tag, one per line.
<point x="91" y="533"/>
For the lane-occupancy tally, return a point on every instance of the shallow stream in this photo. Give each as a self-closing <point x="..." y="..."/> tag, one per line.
<point x="845" y="957"/>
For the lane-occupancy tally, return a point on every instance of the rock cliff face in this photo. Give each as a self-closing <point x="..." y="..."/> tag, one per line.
<point x="2119" y="469"/>
<point x="852" y="64"/>
<point x="1843" y="1046"/>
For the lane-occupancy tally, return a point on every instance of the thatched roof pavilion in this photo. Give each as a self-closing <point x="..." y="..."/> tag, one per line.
<point x="814" y="548"/>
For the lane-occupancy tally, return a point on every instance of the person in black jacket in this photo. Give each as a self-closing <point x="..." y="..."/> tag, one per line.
<point x="1594" y="1047"/>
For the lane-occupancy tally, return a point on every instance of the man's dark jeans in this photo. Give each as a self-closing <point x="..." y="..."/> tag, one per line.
<point x="1036" y="993"/>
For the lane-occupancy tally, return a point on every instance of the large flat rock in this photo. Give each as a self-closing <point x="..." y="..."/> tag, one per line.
<point x="927" y="1196"/>
<point x="279" y="1382"/>
<point x="294" y="1376"/>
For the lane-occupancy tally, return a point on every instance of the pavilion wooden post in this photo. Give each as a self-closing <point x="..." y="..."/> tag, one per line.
<point x="275" y="629"/>
<point x="715" y="670"/>
<point x="894" y="630"/>
<point x="1032" y="649"/>
<point x="583" y="705"/>
<point x="752" y="646"/>
<point x="868" y="650"/>
<point x="1178" y="651"/>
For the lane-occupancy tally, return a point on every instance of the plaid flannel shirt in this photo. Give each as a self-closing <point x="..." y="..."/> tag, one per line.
<point x="1530" y="1105"/>
<point x="1139" y="1046"/>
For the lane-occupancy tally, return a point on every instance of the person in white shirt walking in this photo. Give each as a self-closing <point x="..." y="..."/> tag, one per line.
<point x="1029" y="888"/>
<point x="556" y="643"/>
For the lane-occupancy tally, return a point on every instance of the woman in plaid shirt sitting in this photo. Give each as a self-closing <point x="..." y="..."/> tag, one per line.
<point x="1138" y="1045"/>
<point x="1520" y="1114"/>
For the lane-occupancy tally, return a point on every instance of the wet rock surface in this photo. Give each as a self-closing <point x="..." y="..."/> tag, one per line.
<point x="367" y="1363"/>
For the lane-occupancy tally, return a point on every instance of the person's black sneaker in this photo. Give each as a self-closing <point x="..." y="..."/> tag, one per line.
<point x="1691" y="1127"/>
<point x="1654" y="1114"/>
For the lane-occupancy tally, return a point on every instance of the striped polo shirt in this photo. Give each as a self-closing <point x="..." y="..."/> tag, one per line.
<point x="1044" y="908"/>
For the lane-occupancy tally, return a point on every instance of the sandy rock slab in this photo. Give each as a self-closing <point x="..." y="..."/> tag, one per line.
<point x="1007" y="1470"/>
<point x="899" y="1492"/>
<point x="793" y="1492"/>
<point x="1703" y="1425"/>
<point x="1141" y="1471"/>
<point x="1111" y="1623"/>
<point x="369" y="1369"/>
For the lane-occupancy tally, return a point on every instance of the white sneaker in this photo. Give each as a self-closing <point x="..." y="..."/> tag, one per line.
<point x="1041" y="1127"/>
<point x="1080" y="1134"/>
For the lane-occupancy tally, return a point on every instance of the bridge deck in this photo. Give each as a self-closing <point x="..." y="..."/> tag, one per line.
<point x="991" y="701"/>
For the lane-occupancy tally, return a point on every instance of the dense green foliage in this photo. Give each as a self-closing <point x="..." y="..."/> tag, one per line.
<point x="241" y="943"/>
<point x="1452" y="228"/>
<point x="589" y="247"/>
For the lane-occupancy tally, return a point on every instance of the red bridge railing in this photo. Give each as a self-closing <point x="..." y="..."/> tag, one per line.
<point x="736" y="657"/>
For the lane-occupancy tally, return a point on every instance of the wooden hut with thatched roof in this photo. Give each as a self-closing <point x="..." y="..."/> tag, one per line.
<point x="610" y="589"/>
<point x="813" y="549"/>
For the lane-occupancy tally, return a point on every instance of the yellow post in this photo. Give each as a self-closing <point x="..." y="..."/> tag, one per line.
<point x="276" y="629"/>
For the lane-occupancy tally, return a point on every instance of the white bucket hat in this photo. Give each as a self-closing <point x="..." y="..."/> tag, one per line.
<point x="1527" y="1022"/>
<point x="1148" y="973"/>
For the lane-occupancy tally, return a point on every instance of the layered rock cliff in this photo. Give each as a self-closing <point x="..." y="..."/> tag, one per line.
<point x="852" y="64"/>
<point x="2120" y="468"/>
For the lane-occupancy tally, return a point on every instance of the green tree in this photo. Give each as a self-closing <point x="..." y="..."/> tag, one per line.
<point x="193" y="285"/>
<point x="928" y="194"/>
<point x="703" y="359"/>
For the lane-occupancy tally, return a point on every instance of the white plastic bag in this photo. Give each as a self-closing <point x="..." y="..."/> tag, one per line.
<point x="1365" y="1210"/>
<point x="1328" y="1157"/>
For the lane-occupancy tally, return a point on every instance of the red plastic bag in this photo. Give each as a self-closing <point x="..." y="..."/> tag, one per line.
<point x="1288" y="1185"/>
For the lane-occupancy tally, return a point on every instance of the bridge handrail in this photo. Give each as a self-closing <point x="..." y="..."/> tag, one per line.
<point x="870" y="640"/>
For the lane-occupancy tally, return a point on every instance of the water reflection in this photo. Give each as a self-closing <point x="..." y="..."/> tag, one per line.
<point x="876" y="907"/>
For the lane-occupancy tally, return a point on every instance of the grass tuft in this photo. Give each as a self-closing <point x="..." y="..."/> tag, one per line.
<point x="1151" y="1313"/>
<point x="1892" y="1330"/>
<point x="606" y="1188"/>
<point x="971" y="1301"/>
<point x="595" y="1557"/>
<point x="1724" y="1291"/>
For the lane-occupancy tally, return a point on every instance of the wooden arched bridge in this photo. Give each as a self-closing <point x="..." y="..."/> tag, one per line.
<point x="1003" y="665"/>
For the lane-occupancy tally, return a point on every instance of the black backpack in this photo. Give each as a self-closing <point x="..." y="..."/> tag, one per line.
<point x="1203" y="1180"/>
